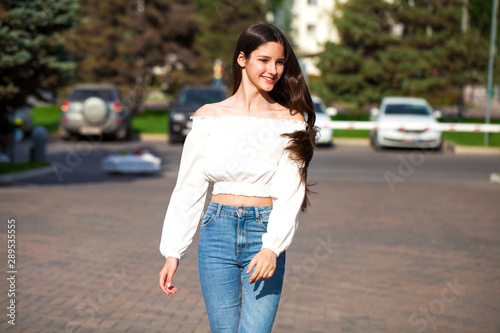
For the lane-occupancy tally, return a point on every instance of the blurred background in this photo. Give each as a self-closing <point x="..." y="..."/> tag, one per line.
<point x="353" y="54"/>
<point x="95" y="99"/>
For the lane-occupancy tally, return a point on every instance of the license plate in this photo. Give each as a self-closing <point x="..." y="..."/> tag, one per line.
<point x="87" y="130"/>
<point x="410" y="139"/>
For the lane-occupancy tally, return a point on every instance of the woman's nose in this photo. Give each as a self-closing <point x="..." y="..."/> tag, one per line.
<point x="272" y="68"/>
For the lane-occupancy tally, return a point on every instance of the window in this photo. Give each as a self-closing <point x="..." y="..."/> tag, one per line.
<point x="311" y="29"/>
<point x="420" y="110"/>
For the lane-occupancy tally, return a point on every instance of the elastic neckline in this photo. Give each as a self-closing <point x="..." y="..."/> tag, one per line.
<point x="251" y="118"/>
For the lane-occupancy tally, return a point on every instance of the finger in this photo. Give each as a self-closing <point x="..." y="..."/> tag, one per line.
<point x="172" y="290"/>
<point x="266" y="273"/>
<point x="256" y="273"/>
<point x="270" y="274"/>
<point x="252" y="264"/>
<point x="163" y="275"/>
<point x="170" y="276"/>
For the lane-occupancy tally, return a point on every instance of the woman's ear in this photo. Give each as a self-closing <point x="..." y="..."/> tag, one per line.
<point x="241" y="59"/>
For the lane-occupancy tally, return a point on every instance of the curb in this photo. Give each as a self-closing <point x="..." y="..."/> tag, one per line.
<point x="153" y="137"/>
<point x="495" y="178"/>
<point x="471" y="150"/>
<point x="351" y="142"/>
<point x="456" y="149"/>
<point x="15" y="176"/>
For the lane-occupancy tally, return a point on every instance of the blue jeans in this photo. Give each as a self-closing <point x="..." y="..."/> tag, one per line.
<point x="230" y="236"/>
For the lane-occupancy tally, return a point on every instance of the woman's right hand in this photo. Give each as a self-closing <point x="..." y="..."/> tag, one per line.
<point x="166" y="275"/>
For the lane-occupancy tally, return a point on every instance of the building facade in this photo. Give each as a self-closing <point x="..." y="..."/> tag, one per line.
<point x="312" y="27"/>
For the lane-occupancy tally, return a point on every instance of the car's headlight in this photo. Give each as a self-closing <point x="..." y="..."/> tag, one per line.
<point x="179" y="117"/>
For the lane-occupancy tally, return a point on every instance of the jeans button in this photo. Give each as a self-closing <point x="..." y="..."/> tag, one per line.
<point x="240" y="210"/>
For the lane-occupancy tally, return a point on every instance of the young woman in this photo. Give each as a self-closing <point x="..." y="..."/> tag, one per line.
<point x="255" y="147"/>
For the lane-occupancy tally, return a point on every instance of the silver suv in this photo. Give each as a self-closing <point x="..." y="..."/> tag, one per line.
<point x="94" y="109"/>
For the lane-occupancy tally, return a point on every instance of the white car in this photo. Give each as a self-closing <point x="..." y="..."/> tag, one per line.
<point x="399" y="111"/>
<point x="323" y="122"/>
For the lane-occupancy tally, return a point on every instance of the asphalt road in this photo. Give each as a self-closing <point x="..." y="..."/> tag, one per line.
<point x="79" y="162"/>
<point x="395" y="241"/>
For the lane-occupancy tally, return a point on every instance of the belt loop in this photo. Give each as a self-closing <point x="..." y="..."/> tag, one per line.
<point x="256" y="211"/>
<point x="218" y="211"/>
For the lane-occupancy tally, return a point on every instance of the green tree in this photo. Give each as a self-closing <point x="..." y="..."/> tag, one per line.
<point x="222" y="22"/>
<point x="480" y="23"/>
<point x="412" y="48"/>
<point x="122" y="42"/>
<point x="480" y="17"/>
<point x="32" y="56"/>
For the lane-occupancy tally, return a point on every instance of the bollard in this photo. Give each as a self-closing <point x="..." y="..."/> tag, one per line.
<point x="39" y="141"/>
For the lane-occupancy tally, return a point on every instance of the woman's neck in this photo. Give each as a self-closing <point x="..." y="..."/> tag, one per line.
<point x="251" y="99"/>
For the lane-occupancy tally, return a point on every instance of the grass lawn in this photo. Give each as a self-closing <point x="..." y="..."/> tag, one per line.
<point x="472" y="139"/>
<point x="351" y="134"/>
<point x="21" y="166"/>
<point x="151" y="121"/>
<point x="47" y="116"/>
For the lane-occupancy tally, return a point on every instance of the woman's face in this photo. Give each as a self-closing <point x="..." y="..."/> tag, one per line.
<point x="265" y="65"/>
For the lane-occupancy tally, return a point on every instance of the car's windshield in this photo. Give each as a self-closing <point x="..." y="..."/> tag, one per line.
<point x="318" y="108"/>
<point x="200" y="97"/>
<point x="81" y="95"/>
<point x="410" y="109"/>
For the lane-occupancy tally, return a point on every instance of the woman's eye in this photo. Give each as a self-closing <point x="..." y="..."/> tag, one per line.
<point x="263" y="60"/>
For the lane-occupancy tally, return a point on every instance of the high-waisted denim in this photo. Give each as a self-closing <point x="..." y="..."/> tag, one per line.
<point x="230" y="236"/>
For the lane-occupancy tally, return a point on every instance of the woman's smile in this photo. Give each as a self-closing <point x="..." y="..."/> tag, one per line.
<point x="265" y="65"/>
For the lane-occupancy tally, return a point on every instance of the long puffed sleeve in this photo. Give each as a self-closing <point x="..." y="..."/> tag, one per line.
<point x="185" y="208"/>
<point x="287" y="192"/>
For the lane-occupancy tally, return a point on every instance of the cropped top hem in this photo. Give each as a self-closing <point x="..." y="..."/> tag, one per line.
<point x="240" y="188"/>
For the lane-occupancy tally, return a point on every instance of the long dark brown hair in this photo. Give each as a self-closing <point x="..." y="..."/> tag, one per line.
<point x="290" y="91"/>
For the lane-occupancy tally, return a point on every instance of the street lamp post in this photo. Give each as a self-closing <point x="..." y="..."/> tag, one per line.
<point x="489" y="89"/>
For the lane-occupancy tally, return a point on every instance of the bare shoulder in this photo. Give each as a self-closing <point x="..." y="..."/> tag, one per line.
<point x="207" y="110"/>
<point x="295" y="115"/>
<point x="214" y="109"/>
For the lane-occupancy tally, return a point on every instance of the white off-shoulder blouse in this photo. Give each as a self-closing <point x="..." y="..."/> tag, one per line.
<point x="241" y="155"/>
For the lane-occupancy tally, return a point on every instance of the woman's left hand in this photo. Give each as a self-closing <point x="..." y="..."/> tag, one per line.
<point x="264" y="263"/>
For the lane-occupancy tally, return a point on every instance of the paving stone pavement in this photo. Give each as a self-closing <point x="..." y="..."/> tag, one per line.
<point x="425" y="258"/>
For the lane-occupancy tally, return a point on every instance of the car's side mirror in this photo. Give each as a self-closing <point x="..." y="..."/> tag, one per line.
<point x="331" y="111"/>
<point x="374" y="112"/>
<point x="437" y="114"/>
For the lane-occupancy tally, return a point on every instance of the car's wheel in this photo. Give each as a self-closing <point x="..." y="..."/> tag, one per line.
<point x="175" y="138"/>
<point x="440" y="146"/>
<point x="374" y="142"/>
<point x="124" y="133"/>
<point x="94" y="110"/>
<point x="64" y="134"/>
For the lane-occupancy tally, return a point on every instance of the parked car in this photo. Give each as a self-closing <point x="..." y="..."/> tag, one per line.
<point x="94" y="109"/>
<point x="325" y="133"/>
<point x="406" y="110"/>
<point x="190" y="99"/>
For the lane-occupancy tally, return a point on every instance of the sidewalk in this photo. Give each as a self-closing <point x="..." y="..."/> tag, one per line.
<point x="363" y="260"/>
<point x="22" y="154"/>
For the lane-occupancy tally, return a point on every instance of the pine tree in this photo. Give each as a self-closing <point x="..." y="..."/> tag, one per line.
<point x="410" y="48"/>
<point x="32" y="55"/>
